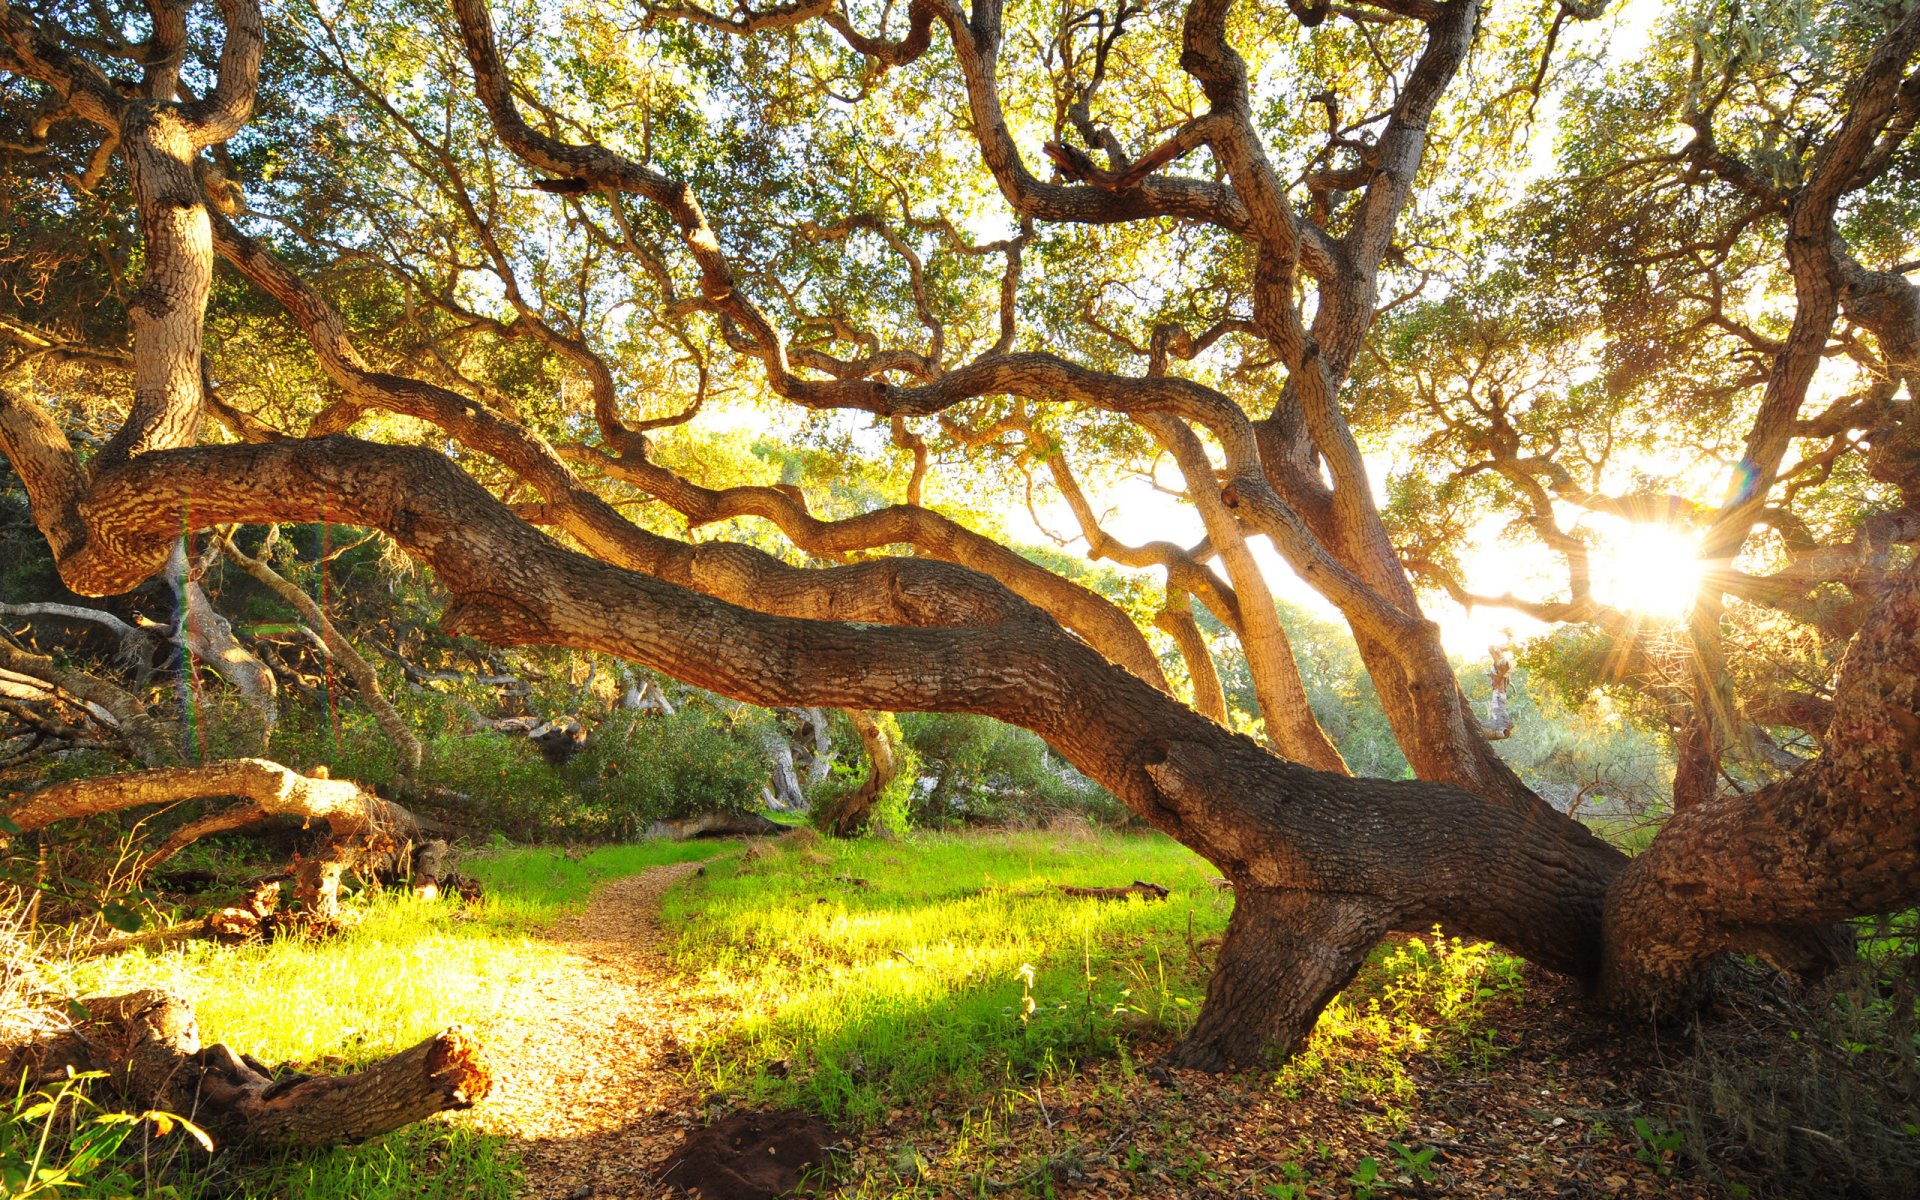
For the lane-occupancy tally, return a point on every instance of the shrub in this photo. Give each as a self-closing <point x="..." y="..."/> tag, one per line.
<point x="1821" y="1098"/>
<point x="637" y="768"/>
<point x="980" y="771"/>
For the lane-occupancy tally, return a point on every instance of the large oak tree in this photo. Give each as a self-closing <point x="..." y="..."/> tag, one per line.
<point x="523" y="249"/>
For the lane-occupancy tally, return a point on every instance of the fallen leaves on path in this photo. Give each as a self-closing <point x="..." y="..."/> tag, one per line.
<point x="590" y="1058"/>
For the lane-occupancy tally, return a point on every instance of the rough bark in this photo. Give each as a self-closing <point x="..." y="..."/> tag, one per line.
<point x="1285" y="956"/>
<point x="149" y="1044"/>
<point x="1763" y="871"/>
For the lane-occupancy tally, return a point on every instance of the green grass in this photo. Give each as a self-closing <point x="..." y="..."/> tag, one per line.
<point x="956" y="967"/>
<point x="406" y="970"/>
<point x="958" y="972"/>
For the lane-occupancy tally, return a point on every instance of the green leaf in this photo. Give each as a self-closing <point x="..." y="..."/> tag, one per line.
<point x="122" y="918"/>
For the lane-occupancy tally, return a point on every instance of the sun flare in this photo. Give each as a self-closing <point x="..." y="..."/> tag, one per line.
<point x="1651" y="569"/>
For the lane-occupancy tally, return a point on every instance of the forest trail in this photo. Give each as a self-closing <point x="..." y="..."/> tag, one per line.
<point x="588" y="1057"/>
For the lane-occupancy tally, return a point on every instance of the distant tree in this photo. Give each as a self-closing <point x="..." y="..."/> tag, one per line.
<point x="495" y="241"/>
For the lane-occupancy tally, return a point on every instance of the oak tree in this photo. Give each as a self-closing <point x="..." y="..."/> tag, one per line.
<point x="474" y="279"/>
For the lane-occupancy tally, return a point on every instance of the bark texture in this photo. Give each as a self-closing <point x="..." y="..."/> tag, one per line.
<point x="1765" y="871"/>
<point x="149" y="1044"/>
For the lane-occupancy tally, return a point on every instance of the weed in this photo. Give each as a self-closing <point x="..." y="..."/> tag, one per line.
<point x="1659" y="1143"/>
<point x="57" y="1140"/>
<point x="1413" y="1166"/>
<point x="1365" y="1180"/>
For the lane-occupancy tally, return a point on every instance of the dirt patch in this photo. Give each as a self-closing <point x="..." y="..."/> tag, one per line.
<point x="750" y="1156"/>
<point x="590" y="1054"/>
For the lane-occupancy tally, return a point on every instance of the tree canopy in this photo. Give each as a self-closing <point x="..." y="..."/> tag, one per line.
<point x="748" y="345"/>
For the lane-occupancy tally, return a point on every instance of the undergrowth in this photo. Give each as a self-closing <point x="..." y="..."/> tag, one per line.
<point x="1819" y="1093"/>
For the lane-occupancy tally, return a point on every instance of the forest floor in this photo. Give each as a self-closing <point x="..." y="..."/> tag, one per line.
<point x="589" y="1067"/>
<point x="1526" y="1096"/>
<point x="965" y="1026"/>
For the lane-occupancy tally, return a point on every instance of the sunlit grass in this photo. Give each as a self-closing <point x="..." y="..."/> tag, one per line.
<point x="405" y="970"/>
<point x="1418" y="998"/>
<point x="913" y="987"/>
<point x="913" y="982"/>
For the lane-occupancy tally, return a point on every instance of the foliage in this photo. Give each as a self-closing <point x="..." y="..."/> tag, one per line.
<point x="1420" y="998"/>
<point x="1821" y="1097"/>
<point x="57" y="1141"/>
<point x="979" y="771"/>
<point x="637" y="768"/>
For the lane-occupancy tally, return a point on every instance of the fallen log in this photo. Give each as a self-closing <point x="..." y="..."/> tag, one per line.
<point x="1139" y="887"/>
<point x="365" y="828"/>
<point x="253" y="919"/>
<point x="148" y="1044"/>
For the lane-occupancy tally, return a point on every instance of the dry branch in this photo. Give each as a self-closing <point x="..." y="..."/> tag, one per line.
<point x="1139" y="887"/>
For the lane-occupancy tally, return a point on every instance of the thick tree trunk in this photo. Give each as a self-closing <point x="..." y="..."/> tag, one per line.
<point x="149" y="1045"/>
<point x="1285" y="956"/>
<point x="1766" y="871"/>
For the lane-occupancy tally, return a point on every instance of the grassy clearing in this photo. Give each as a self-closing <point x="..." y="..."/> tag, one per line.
<point x="952" y="965"/>
<point x="406" y="970"/>
<point x="873" y="977"/>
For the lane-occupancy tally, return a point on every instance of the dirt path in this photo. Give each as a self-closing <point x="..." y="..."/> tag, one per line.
<point x="588" y="1056"/>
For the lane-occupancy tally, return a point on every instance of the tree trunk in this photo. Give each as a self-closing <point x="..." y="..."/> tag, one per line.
<point x="1766" y="871"/>
<point x="149" y="1045"/>
<point x="786" y="792"/>
<point x="847" y="816"/>
<point x="149" y="739"/>
<point x="206" y="638"/>
<point x="1285" y="956"/>
<point x="1177" y="620"/>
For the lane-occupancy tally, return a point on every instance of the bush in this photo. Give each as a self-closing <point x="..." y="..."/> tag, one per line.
<point x="637" y="768"/>
<point x="1820" y="1099"/>
<point x="980" y="771"/>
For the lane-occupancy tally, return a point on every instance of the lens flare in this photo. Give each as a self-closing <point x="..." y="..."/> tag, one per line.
<point x="1652" y="570"/>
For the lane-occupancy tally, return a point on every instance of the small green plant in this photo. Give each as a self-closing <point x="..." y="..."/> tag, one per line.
<point x="1414" y="1166"/>
<point x="1365" y="1179"/>
<point x="1659" y="1143"/>
<point x="57" y="1140"/>
<point x="1293" y="1185"/>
